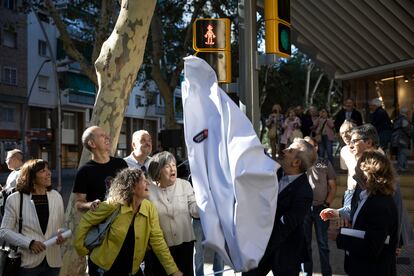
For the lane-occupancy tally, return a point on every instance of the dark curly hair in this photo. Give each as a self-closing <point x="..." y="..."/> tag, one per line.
<point x="28" y="174"/>
<point x="122" y="186"/>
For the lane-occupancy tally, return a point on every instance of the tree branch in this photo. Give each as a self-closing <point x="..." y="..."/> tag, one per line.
<point x="188" y="36"/>
<point x="68" y="44"/>
<point x="102" y="28"/>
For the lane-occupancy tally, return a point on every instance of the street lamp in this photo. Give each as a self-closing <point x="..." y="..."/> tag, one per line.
<point x="26" y="107"/>
<point x="58" y="132"/>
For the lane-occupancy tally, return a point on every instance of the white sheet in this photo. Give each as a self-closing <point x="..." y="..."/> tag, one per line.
<point x="235" y="183"/>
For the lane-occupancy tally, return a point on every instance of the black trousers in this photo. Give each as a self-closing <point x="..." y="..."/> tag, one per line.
<point x="182" y="255"/>
<point x="94" y="270"/>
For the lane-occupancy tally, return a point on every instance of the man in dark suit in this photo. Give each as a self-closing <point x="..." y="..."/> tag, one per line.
<point x="348" y="112"/>
<point x="286" y="249"/>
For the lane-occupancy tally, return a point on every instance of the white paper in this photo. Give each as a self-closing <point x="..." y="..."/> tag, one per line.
<point x="358" y="234"/>
<point x="52" y="241"/>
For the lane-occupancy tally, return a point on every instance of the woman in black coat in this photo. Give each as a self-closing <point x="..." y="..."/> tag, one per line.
<point x="376" y="215"/>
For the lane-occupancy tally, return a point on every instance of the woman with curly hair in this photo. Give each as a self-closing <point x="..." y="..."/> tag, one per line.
<point x="376" y="216"/>
<point x="134" y="228"/>
<point x="42" y="214"/>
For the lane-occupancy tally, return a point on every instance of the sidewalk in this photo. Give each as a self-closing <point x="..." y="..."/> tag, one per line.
<point x="405" y="263"/>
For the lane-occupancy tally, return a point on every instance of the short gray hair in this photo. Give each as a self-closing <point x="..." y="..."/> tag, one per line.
<point x="346" y="124"/>
<point x="158" y="161"/>
<point x="88" y="136"/>
<point x="137" y="134"/>
<point x="367" y="132"/>
<point x="16" y="152"/>
<point x="306" y="154"/>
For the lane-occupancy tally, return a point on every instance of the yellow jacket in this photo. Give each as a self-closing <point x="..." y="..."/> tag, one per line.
<point x="147" y="229"/>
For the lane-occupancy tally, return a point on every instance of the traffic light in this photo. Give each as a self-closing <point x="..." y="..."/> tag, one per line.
<point x="211" y="41"/>
<point x="220" y="62"/>
<point x="278" y="27"/>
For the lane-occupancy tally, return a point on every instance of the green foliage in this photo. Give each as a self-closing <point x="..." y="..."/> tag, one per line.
<point x="286" y="84"/>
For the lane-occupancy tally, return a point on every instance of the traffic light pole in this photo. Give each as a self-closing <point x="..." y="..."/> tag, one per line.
<point x="249" y="76"/>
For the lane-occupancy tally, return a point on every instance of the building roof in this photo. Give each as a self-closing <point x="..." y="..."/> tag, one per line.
<point x="355" y="38"/>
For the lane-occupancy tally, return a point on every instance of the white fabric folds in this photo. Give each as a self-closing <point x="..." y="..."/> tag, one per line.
<point x="235" y="182"/>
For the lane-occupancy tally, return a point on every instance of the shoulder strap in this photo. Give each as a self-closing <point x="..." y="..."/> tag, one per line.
<point x="20" y="212"/>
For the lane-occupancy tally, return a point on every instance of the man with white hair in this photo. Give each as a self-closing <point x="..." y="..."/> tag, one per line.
<point x="381" y="121"/>
<point x="14" y="161"/>
<point x="400" y="138"/>
<point x="141" y="149"/>
<point x="286" y="249"/>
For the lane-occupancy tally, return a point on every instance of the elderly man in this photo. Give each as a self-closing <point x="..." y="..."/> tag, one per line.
<point x="363" y="138"/>
<point x="14" y="161"/>
<point x="94" y="178"/>
<point x="348" y="112"/>
<point x="142" y="148"/>
<point x="286" y="248"/>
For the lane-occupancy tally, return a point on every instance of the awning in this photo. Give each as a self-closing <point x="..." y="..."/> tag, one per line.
<point x="355" y="38"/>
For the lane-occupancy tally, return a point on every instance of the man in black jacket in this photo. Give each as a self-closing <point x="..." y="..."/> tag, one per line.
<point x="286" y="248"/>
<point x="348" y="112"/>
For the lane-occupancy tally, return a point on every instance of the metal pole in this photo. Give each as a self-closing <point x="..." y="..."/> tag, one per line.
<point x="249" y="84"/>
<point x="59" y="105"/>
<point x="26" y="107"/>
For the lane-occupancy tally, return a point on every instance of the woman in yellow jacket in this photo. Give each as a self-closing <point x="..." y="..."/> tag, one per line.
<point x="136" y="225"/>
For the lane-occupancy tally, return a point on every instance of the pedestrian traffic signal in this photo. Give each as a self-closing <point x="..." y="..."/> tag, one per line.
<point x="277" y="9"/>
<point x="221" y="63"/>
<point x="277" y="38"/>
<point x="211" y="34"/>
<point x="211" y="41"/>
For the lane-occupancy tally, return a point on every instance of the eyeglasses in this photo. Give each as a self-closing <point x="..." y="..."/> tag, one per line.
<point x="354" y="141"/>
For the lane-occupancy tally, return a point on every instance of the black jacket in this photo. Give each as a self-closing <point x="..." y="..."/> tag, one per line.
<point x="287" y="240"/>
<point x="340" y="118"/>
<point x="370" y="255"/>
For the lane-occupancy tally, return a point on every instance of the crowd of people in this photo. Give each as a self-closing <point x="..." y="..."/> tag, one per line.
<point x="395" y="135"/>
<point x="157" y="227"/>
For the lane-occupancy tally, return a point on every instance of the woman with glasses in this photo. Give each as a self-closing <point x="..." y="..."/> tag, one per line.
<point x="42" y="214"/>
<point x="134" y="229"/>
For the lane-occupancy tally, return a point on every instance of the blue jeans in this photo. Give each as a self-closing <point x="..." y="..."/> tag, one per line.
<point x="321" y="231"/>
<point x="41" y="270"/>
<point x="325" y="146"/>
<point x="218" y="263"/>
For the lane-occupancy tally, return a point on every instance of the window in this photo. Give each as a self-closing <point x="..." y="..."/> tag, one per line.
<point x="139" y="101"/>
<point x="9" y="4"/>
<point x="9" y="38"/>
<point x="43" y="81"/>
<point x="7" y="114"/>
<point x="9" y="76"/>
<point x="69" y="120"/>
<point x="42" y="48"/>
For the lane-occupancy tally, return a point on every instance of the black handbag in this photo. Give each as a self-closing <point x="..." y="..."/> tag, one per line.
<point x="10" y="259"/>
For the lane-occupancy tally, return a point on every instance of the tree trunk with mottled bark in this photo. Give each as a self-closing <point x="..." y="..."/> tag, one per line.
<point x="117" y="67"/>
